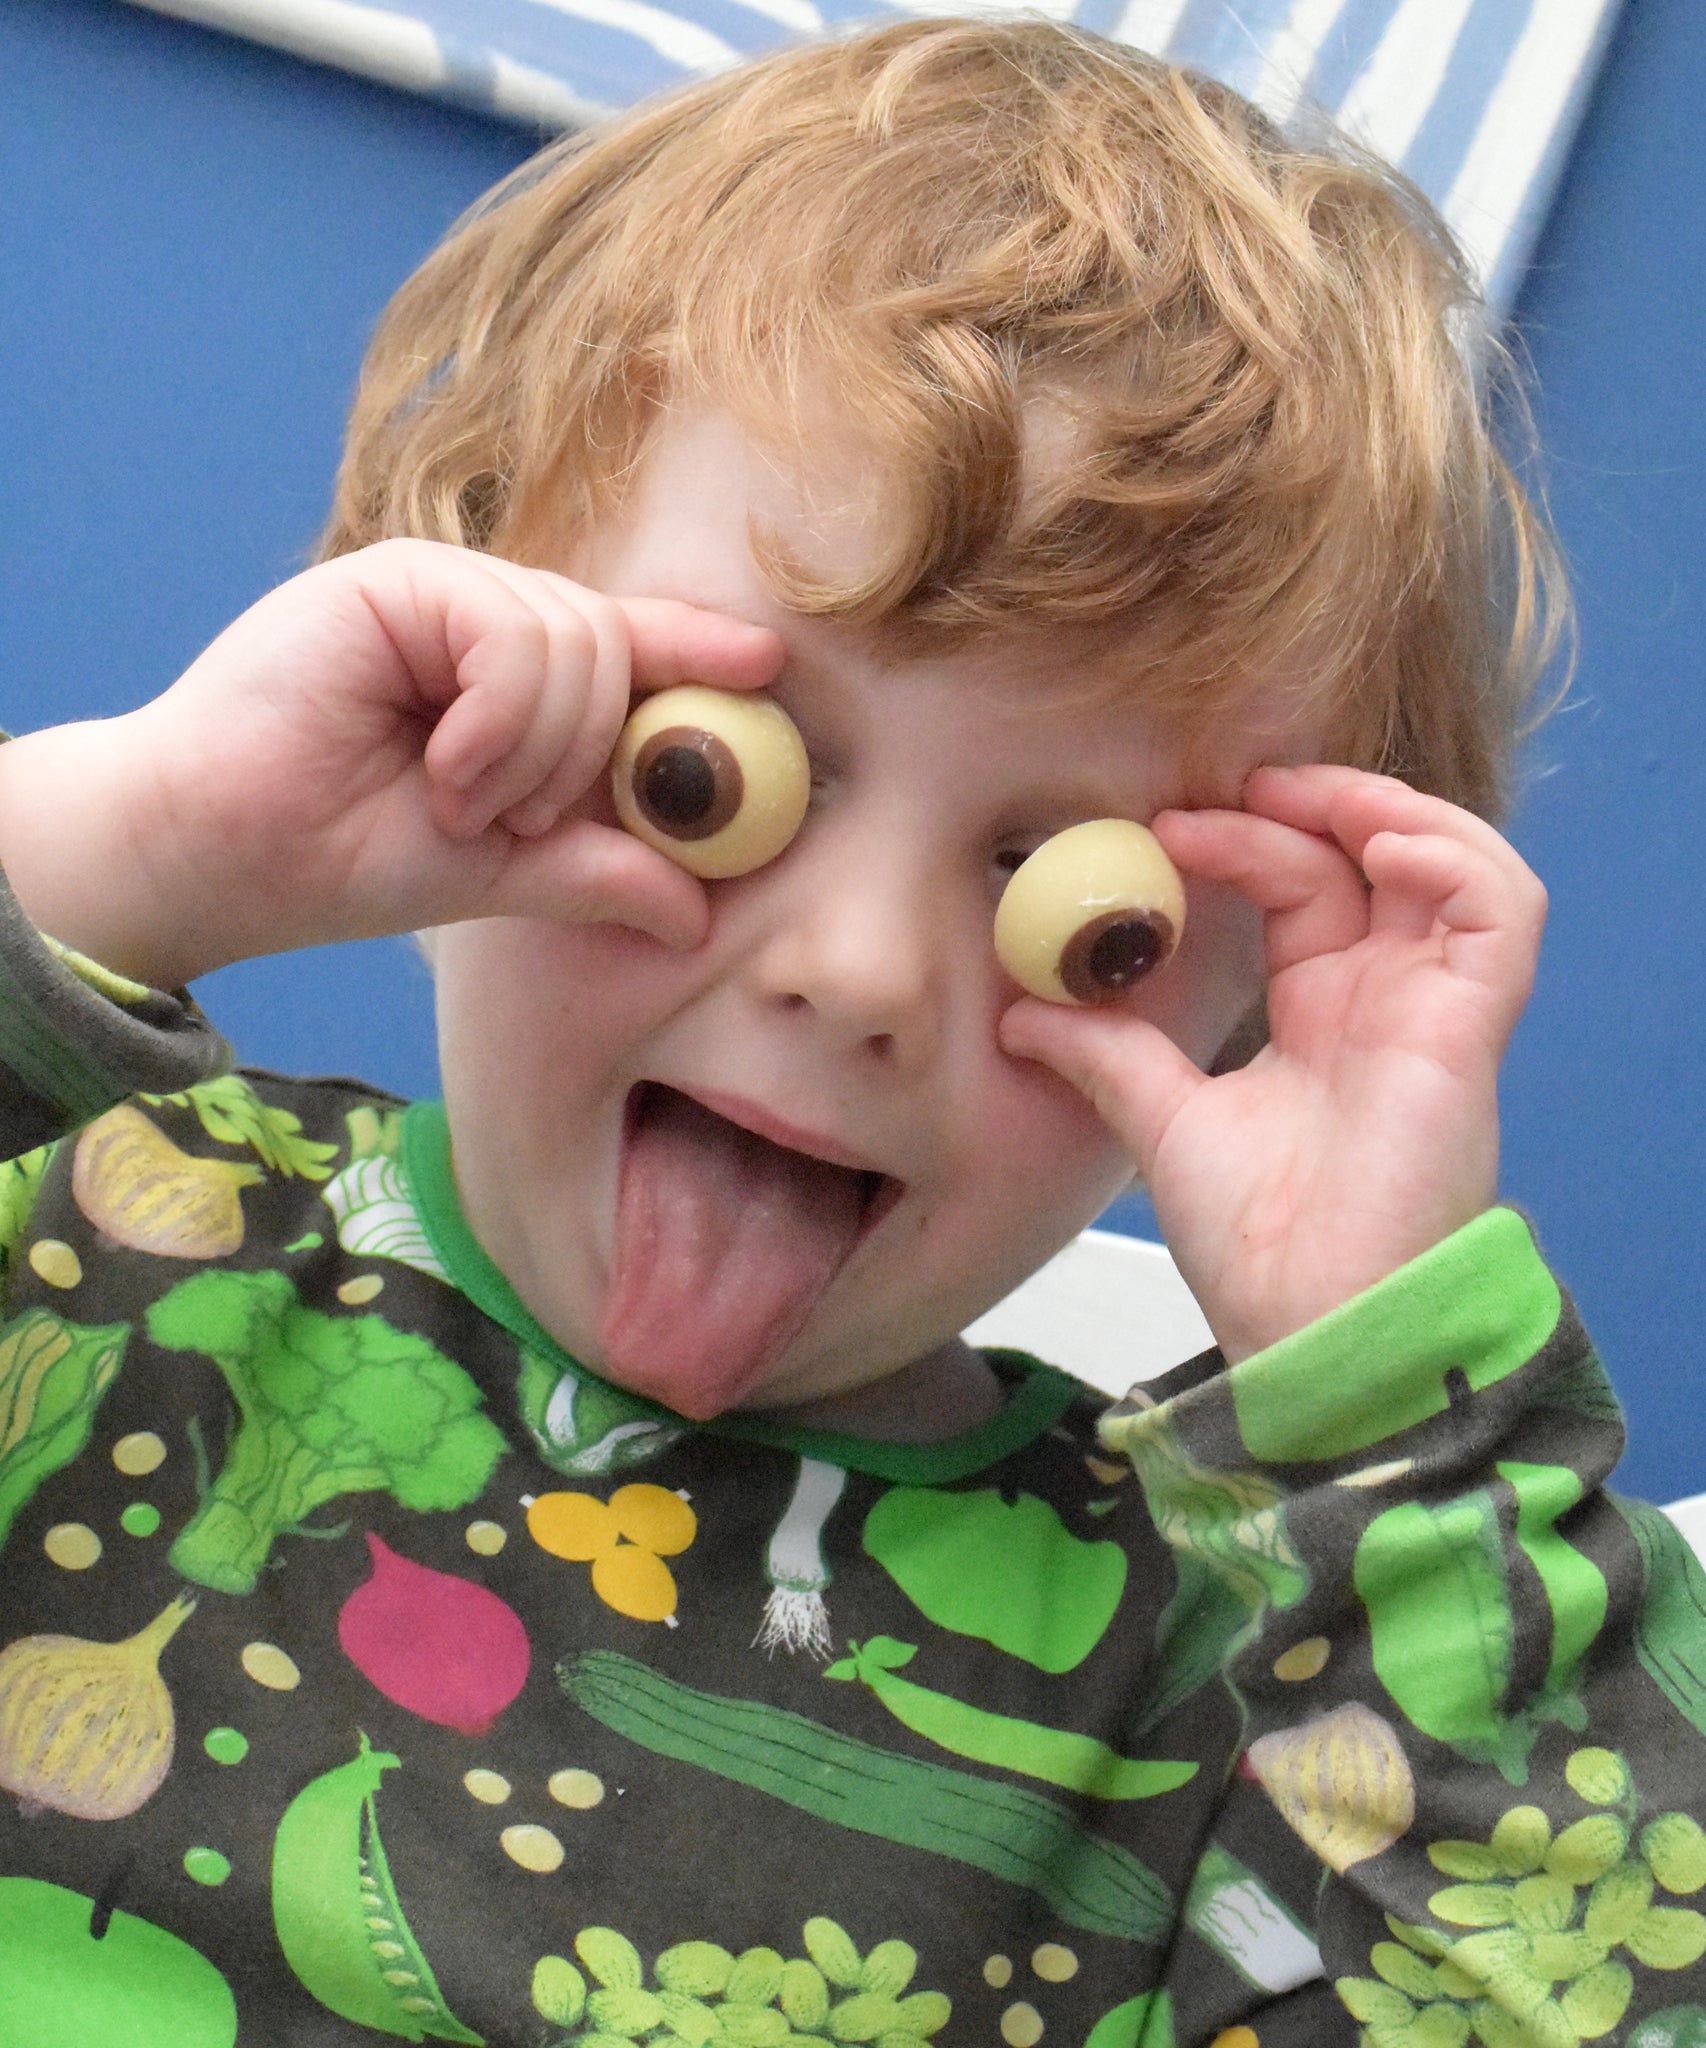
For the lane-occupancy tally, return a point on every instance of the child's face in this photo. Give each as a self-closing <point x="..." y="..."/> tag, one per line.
<point x="794" y="1160"/>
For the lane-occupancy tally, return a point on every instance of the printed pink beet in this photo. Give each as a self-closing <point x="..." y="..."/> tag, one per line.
<point x="440" y="1646"/>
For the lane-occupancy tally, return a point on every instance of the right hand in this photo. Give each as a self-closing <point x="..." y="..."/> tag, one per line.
<point x="411" y="735"/>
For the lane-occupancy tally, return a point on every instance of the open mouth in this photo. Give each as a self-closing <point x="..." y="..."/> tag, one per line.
<point x="725" y="1242"/>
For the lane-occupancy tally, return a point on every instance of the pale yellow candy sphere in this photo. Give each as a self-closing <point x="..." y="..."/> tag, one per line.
<point x="715" y="779"/>
<point x="1093" y="910"/>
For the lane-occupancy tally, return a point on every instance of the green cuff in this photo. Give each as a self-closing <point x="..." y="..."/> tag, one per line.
<point x="1481" y="1303"/>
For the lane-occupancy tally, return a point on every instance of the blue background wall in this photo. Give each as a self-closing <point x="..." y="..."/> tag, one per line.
<point x="196" y="235"/>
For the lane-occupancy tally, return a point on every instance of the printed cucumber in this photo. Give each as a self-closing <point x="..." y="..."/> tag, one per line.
<point x="1079" y="1763"/>
<point x="337" y="1914"/>
<point x="1007" y="1831"/>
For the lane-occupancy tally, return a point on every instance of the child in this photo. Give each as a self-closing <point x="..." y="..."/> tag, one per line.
<point x="545" y="1568"/>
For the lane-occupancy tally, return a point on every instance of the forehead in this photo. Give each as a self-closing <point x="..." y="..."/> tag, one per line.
<point x="707" y="490"/>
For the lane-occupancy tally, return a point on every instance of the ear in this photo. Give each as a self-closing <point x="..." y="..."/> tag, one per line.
<point x="1247" y="1038"/>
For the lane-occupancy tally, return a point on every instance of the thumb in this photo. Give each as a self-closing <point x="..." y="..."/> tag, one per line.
<point x="1133" y="1075"/>
<point x="586" y="873"/>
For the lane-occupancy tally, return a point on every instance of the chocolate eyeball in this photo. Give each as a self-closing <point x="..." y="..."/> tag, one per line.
<point x="1093" y="910"/>
<point x="715" y="779"/>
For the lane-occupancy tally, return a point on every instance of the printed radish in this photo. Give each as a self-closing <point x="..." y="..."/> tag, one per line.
<point x="440" y="1646"/>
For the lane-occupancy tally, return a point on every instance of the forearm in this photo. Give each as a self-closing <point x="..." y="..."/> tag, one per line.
<point x="81" y="860"/>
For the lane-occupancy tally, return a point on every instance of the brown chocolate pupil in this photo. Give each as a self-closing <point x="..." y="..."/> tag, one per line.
<point x="1104" y="957"/>
<point x="687" y="782"/>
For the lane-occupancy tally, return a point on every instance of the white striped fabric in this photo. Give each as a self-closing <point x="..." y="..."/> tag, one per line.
<point x="1477" y="100"/>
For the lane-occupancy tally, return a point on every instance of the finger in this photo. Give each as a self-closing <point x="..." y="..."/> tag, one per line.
<point x="587" y="873"/>
<point x="672" y="642"/>
<point x="1427" y="885"/>
<point x="1132" y="1075"/>
<point x="1312" y="896"/>
<point x="1351" y="805"/>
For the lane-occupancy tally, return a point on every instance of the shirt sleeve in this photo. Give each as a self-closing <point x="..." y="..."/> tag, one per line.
<point x="75" y="1038"/>
<point x="1473" y="1681"/>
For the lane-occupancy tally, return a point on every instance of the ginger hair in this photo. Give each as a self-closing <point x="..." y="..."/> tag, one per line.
<point x="1268" y="377"/>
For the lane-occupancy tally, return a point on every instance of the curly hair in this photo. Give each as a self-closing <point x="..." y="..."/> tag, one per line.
<point x="1269" y="381"/>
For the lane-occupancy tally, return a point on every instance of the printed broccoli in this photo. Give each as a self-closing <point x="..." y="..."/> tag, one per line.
<point x="327" y="1405"/>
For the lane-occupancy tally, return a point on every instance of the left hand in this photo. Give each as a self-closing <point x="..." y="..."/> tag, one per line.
<point x="1401" y="935"/>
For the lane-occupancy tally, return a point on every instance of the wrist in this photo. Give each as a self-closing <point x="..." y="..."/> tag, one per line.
<point x="79" y="817"/>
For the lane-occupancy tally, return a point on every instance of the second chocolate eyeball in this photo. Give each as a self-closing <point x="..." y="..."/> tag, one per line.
<point x="715" y="779"/>
<point x="1093" y="910"/>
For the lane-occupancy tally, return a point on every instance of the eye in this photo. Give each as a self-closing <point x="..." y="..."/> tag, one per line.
<point x="718" y="781"/>
<point x="1093" y="910"/>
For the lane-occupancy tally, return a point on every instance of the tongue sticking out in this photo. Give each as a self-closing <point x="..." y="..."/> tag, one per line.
<point x="724" y="1243"/>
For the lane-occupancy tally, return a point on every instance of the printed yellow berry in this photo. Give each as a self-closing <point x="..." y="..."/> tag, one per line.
<point x="579" y="1789"/>
<point x="1236" y="2037"/>
<point x="364" y="1288"/>
<point x="1404" y="1970"/>
<point x="486" y="1786"/>
<point x="1307" y="1659"/>
<point x="614" y="2010"/>
<point x="635" y="1583"/>
<point x="753" y="2026"/>
<point x="1021" y="2026"/>
<point x="804" y="1997"/>
<point x="485" y="1539"/>
<point x="559" y="1991"/>
<point x="611" y="1958"/>
<point x="998" y="1972"/>
<point x="534" y="1848"/>
<point x="654" y="1518"/>
<point x="1375" y="2005"/>
<point x="1470" y="1862"/>
<point x="55" y="1262"/>
<point x="1472" y="1905"/>
<point x="73" y="1546"/>
<point x="830" y="1946"/>
<point x="574" y="1526"/>
<point x="268" y="1665"/>
<point x="1053" y="1963"/>
<point x="925" y="2013"/>
<point x="698" y="1969"/>
<point x="1667" y="1938"/>
<point x="755" y="1977"/>
<point x="1597" y="2000"/>
<point x="1675" y="1848"/>
<point x="139" y="1454"/>
<point x="1619" y="1898"/>
<point x="1542" y="1904"/>
<point x="1566" y="1955"/>
<point x="1520" y="1839"/>
<point x="1587" y="1849"/>
<point x="1600" y="1776"/>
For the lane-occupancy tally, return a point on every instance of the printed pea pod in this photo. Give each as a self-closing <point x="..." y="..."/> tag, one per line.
<point x="1078" y="1762"/>
<point x="1436" y="1582"/>
<point x="338" y="1917"/>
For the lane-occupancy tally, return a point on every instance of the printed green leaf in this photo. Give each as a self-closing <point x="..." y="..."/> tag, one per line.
<point x="1008" y="1572"/>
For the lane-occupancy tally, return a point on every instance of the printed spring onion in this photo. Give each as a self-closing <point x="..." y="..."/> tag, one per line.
<point x="796" y="1616"/>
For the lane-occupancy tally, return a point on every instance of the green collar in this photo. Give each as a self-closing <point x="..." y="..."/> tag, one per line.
<point x="1038" y="1394"/>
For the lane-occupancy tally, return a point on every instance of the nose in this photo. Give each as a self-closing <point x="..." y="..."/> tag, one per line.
<point x="856" y="939"/>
